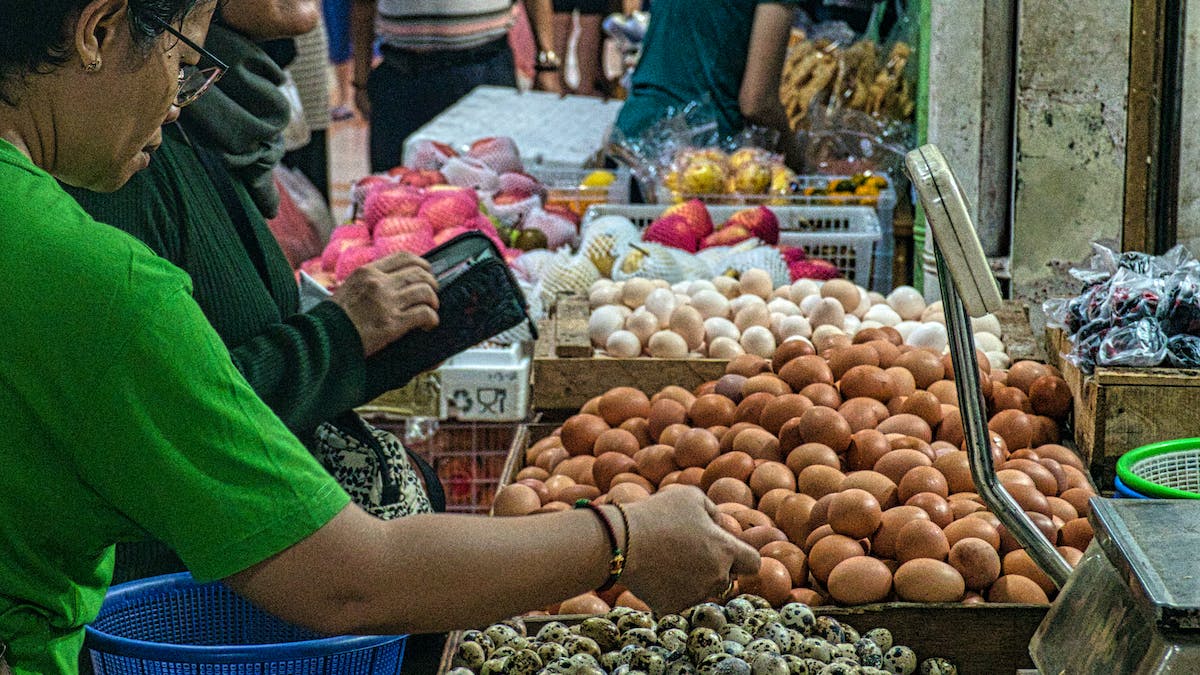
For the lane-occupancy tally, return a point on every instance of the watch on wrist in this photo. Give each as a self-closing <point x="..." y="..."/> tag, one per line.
<point x="547" y="61"/>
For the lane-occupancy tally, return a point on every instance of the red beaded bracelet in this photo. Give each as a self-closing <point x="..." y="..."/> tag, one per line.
<point x="617" y="565"/>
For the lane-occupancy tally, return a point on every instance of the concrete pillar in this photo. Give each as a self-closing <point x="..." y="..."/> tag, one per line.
<point x="1072" y="85"/>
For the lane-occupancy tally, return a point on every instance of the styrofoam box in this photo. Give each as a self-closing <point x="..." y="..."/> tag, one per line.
<point x="486" y="384"/>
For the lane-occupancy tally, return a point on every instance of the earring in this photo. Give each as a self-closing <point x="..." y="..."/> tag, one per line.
<point x="93" y="66"/>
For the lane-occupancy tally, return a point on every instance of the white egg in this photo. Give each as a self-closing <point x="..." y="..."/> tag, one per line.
<point x="660" y="303"/>
<point x="802" y="289"/>
<point x="823" y="333"/>
<point x="727" y="286"/>
<point x="666" y="344"/>
<point x="908" y="302"/>
<point x="661" y="283"/>
<point x="851" y="325"/>
<point x="623" y="344"/>
<point x="864" y="303"/>
<point x="700" y="285"/>
<point x="753" y="315"/>
<point x="759" y="341"/>
<point x="998" y="360"/>
<point x="794" y="326"/>
<point x="743" y="301"/>
<point x="784" y="292"/>
<point x="876" y="298"/>
<point x="797" y="338"/>
<point x="783" y="306"/>
<point x="601" y="283"/>
<point x="642" y="323"/>
<point x="883" y="314"/>
<point x="757" y="282"/>
<point x="725" y="348"/>
<point x="809" y="303"/>
<point x="711" y="303"/>
<point x="681" y="287"/>
<point x="682" y="299"/>
<point x="988" y="342"/>
<point x="686" y="321"/>
<point x="869" y="324"/>
<point x="988" y="323"/>
<point x="905" y="328"/>
<point x="934" y="313"/>
<point x="634" y="292"/>
<point x="603" y="322"/>
<point x="604" y="295"/>
<point x="828" y="312"/>
<point x="720" y="327"/>
<point x="931" y="335"/>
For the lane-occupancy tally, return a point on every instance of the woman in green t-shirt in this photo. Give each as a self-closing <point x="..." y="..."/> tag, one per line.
<point x="731" y="51"/>
<point x="122" y="416"/>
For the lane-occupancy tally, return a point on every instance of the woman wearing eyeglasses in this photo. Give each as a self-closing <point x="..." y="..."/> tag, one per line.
<point x="122" y="416"/>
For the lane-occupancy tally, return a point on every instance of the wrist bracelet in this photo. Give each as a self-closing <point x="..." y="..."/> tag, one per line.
<point x="617" y="565"/>
<point x="625" y="521"/>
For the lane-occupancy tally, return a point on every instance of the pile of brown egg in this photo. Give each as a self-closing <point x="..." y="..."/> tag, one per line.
<point x="845" y="468"/>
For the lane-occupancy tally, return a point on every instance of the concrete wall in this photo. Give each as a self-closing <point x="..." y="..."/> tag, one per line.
<point x="1189" y="150"/>
<point x="1072" y="83"/>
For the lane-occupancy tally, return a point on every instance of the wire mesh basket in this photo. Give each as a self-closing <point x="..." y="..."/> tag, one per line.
<point x="1165" y="470"/>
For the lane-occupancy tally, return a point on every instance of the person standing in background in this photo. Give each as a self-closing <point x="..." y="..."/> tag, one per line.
<point x="434" y="53"/>
<point x="311" y="76"/>
<point x="731" y="51"/>
<point x="337" y="24"/>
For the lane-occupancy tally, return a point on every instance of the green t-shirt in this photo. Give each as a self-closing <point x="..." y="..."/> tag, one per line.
<point x="692" y="48"/>
<point x="122" y="417"/>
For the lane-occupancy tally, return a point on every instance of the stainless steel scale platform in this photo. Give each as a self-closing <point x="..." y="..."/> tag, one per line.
<point x="1133" y="603"/>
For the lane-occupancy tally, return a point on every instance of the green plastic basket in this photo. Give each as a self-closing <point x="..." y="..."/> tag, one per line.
<point x="1164" y="470"/>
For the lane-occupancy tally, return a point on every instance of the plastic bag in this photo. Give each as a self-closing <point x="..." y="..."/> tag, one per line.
<point x="304" y="222"/>
<point x="1140" y="345"/>
<point x="296" y="134"/>
<point x="1183" y="351"/>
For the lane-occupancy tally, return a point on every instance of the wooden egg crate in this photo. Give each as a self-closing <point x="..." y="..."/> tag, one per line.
<point x="1119" y="409"/>
<point x="977" y="639"/>
<point x="568" y="372"/>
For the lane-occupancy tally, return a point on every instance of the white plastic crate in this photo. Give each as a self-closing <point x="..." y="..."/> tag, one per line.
<point x="884" y="205"/>
<point x="844" y="235"/>
<point x="486" y="385"/>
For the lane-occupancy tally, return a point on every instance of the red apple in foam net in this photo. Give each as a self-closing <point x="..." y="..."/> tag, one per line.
<point x="562" y="212"/>
<point x="363" y="187"/>
<point x="355" y="230"/>
<point x="517" y="180"/>
<point x="400" y="225"/>
<point x="416" y="243"/>
<point x="497" y="152"/>
<point x="447" y="210"/>
<point x="674" y="231"/>
<point x="447" y="234"/>
<point x="429" y="154"/>
<point x="353" y="258"/>
<point x="395" y="200"/>
<point x="472" y="173"/>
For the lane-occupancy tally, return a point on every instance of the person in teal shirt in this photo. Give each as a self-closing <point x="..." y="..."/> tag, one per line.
<point x="731" y="51"/>
<point x="123" y="416"/>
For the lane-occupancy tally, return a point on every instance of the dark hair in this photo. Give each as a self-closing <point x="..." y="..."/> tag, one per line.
<point x="34" y="35"/>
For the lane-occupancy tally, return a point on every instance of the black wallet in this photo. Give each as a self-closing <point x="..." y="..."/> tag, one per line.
<point x="479" y="299"/>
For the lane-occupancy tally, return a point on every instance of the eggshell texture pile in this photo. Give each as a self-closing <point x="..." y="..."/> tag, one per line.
<point x="857" y="484"/>
<point x="725" y="318"/>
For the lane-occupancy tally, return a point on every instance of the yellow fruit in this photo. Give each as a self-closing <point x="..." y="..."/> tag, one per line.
<point x="703" y="176"/>
<point x="599" y="178"/>
<point x="671" y="181"/>
<point x="746" y="156"/>
<point x="781" y="180"/>
<point x="752" y="179"/>
<point x="632" y="262"/>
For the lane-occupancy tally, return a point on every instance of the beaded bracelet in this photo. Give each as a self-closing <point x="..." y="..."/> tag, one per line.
<point x="617" y="565"/>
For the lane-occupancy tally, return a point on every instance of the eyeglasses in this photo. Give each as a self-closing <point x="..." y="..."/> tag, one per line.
<point x="193" y="80"/>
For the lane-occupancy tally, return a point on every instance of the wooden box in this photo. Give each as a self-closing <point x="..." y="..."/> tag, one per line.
<point x="978" y="639"/>
<point x="1119" y="409"/>
<point x="567" y="372"/>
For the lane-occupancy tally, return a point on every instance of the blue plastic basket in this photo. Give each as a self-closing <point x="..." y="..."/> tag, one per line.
<point x="1124" y="491"/>
<point x="171" y="624"/>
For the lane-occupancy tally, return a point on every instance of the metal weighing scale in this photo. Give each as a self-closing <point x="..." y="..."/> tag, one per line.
<point x="1133" y="603"/>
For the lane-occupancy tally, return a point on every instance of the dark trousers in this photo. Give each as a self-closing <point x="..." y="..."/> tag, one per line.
<point x="312" y="160"/>
<point x="409" y="89"/>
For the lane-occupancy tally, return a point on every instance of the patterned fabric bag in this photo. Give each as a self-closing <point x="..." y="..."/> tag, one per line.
<point x="376" y="470"/>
